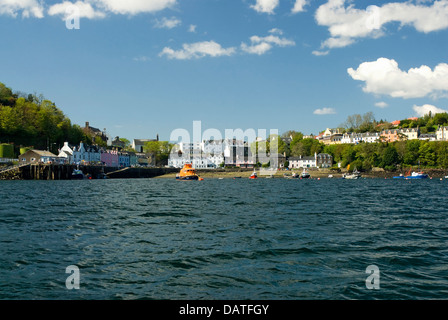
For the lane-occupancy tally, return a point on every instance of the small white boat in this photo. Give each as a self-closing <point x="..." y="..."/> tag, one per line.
<point x="305" y="174"/>
<point x="352" y="176"/>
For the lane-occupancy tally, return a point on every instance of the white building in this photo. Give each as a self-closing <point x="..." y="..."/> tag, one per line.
<point x="321" y="160"/>
<point x="302" y="162"/>
<point x="355" y="138"/>
<point x="66" y="153"/>
<point x="442" y="133"/>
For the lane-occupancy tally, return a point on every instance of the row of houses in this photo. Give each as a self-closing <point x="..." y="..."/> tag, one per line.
<point x="237" y="153"/>
<point x="335" y="136"/>
<point x="85" y="154"/>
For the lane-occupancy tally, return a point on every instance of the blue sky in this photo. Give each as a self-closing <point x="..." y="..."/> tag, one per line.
<point x="144" y="67"/>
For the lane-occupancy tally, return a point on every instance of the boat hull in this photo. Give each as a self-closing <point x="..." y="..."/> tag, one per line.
<point x="416" y="177"/>
<point x="188" y="178"/>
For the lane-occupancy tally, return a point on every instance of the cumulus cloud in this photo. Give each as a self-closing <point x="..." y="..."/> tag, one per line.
<point x="66" y="8"/>
<point x="133" y="7"/>
<point x="265" y="6"/>
<point x="324" y="111"/>
<point x="167" y="23"/>
<point x="346" y="23"/>
<point x="384" y="77"/>
<point x="28" y="8"/>
<point x="320" y="53"/>
<point x="299" y="6"/>
<point x="197" y="50"/>
<point x="381" y="104"/>
<point x="260" y="45"/>
<point x="426" y="108"/>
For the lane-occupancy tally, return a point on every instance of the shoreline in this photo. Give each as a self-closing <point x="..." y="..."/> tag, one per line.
<point x="315" y="174"/>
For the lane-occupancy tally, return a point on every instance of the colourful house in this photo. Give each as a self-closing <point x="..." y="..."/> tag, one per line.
<point x="110" y="158"/>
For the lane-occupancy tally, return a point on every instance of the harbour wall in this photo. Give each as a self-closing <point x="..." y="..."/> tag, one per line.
<point x="42" y="171"/>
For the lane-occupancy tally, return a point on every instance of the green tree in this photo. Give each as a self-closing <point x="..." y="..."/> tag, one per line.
<point x="427" y="155"/>
<point x="390" y="158"/>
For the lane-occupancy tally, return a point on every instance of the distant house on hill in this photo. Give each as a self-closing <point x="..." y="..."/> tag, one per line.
<point x="138" y="144"/>
<point x="95" y="132"/>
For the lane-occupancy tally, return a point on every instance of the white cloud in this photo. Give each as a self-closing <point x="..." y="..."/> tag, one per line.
<point x="192" y="28"/>
<point x="265" y="6"/>
<point x="167" y="23"/>
<point x="383" y="76"/>
<point x="276" y="31"/>
<point x="133" y="7"/>
<point x="260" y="45"/>
<point x="381" y="104"/>
<point x="320" y="53"/>
<point x="426" y="108"/>
<point x="347" y="23"/>
<point x="259" y="49"/>
<point x="299" y="6"/>
<point x="65" y="9"/>
<point x="197" y="50"/>
<point x="324" y="111"/>
<point x="28" y="8"/>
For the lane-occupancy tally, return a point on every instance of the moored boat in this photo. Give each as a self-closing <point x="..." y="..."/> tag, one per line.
<point x="417" y="175"/>
<point x="253" y="175"/>
<point x="77" y="175"/>
<point x="352" y="176"/>
<point x="187" y="173"/>
<point x="305" y="174"/>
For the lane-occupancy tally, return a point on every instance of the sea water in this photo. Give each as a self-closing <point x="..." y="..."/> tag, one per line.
<point x="281" y="239"/>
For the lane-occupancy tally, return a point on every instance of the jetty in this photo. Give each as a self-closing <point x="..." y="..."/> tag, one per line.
<point x="42" y="171"/>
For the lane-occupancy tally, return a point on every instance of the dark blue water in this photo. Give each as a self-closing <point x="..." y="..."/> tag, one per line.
<point x="224" y="239"/>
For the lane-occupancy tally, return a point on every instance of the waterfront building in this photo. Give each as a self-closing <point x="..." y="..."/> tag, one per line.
<point x="110" y="158"/>
<point x="80" y="154"/>
<point x="133" y="161"/>
<point x="36" y="156"/>
<point x="123" y="159"/>
<point x="321" y="160"/>
<point x="66" y="153"/>
<point x="302" y="162"/>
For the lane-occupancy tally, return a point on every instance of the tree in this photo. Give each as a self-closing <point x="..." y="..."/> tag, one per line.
<point x="427" y="154"/>
<point x="390" y="158"/>
<point x="158" y="150"/>
<point x="440" y="119"/>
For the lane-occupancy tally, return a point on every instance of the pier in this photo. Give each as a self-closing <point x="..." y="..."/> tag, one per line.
<point x="41" y="171"/>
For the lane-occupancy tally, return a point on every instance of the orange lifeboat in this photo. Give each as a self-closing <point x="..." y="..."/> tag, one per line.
<point x="253" y="175"/>
<point x="188" y="173"/>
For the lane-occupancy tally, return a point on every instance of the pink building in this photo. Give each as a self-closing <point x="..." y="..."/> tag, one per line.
<point x="110" y="158"/>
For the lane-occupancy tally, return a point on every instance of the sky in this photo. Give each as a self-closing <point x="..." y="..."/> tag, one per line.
<point x="139" y="68"/>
